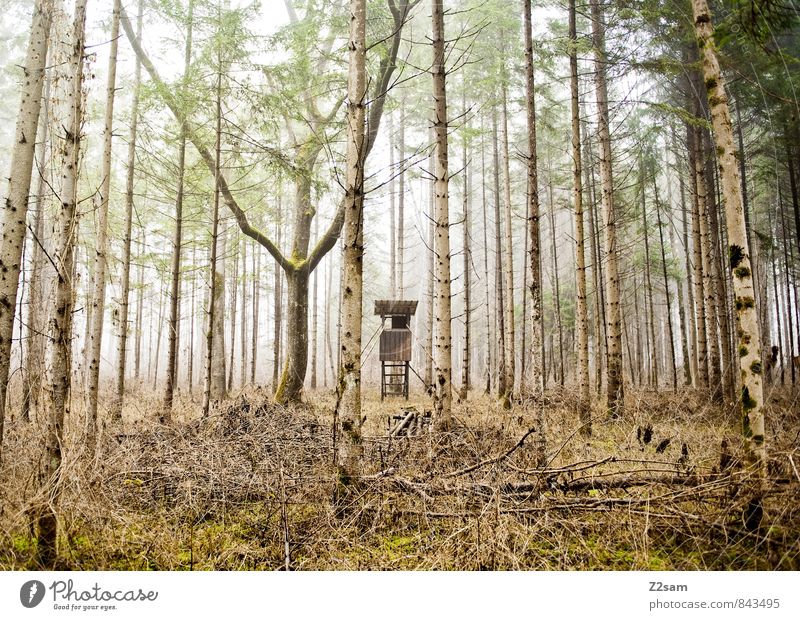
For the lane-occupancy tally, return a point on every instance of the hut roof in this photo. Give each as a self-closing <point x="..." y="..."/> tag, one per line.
<point x="395" y="307"/>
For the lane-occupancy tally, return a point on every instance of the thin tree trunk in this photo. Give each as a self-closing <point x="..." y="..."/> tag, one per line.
<point x="214" y="382"/>
<point x="751" y="399"/>
<point x="256" y="294"/>
<point x="314" y="323"/>
<point x="101" y="245"/>
<point x="581" y="312"/>
<point x="508" y="269"/>
<point x="349" y="447"/>
<point x="37" y="316"/>
<point x="278" y="305"/>
<point x="233" y="301"/>
<point x="243" y="348"/>
<point x="442" y="350"/>
<point x="667" y="295"/>
<point x="699" y="267"/>
<point x="556" y="284"/>
<point x="488" y="301"/>
<point x="192" y="319"/>
<point x="14" y="210"/>
<point x="615" y="385"/>
<point x="500" y="330"/>
<point x="60" y="360"/>
<point x="137" y="353"/>
<point x="392" y="214"/>
<point x="173" y="326"/>
<point x="122" y="340"/>
<point x="467" y="258"/>
<point x="401" y="202"/>
<point x="653" y="357"/>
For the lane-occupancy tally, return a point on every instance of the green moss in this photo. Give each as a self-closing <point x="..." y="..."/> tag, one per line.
<point x="743" y="303"/>
<point x="748" y="402"/>
<point x="743" y="351"/>
<point x="755" y="367"/>
<point x="741" y="272"/>
<point x="711" y="83"/>
<point x="735" y="255"/>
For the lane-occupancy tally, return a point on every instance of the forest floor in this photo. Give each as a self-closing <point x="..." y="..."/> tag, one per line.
<point x="250" y="487"/>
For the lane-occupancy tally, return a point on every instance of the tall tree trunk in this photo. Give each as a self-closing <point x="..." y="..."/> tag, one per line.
<point x="581" y="312"/>
<point x="431" y="262"/>
<point x="488" y="299"/>
<point x="508" y="268"/>
<point x="349" y="448"/>
<point x="137" y="352"/>
<point x="787" y="267"/>
<point x="392" y="214"/>
<point x="653" y="357"/>
<point x="278" y="305"/>
<point x="597" y="275"/>
<point x="442" y="348"/>
<point x="667" y="295"/>
<point x="751" y="399"/>
<point x="690" y="377"/>
<point x="401" y="202"/>
<point x="14" y="210"/>
<point x="122" y="340"/>
<point x="701" y="352"/>
<point x="243" y="348"/>
<point x="467" y="257"/>
<point x="256" y="295"/>
<point x="709" y="285"/>
<point x="34" y="362"/>
<point x="215" y="350"/>
<point x="499" y="308"/>
<point x="101" y="246"/>
<point x="234" y="285"/>
<point x="60" y="359"/>
<point x="192" y="319"/>
<point x="615" y="386"/>
<point x="314" y="323"/>
<point x="173" y="326"/>
<point x="556" y="284"/>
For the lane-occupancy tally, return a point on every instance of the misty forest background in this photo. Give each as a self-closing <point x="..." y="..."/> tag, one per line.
<point x="597" y="207"/>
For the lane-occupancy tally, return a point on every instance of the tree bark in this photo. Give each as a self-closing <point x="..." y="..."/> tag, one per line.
<point x="122" y="340"/>
<point x="508" y="268"/>
<point x="349" y="448"/>
<point x="60" y="359"/>
<point x="751" y="399"/>
<point x="101" y="246"/>
<point x="615" y="386"/>
<point x="466" y="256"/>
<point x="14" y="211"/>
<point x="581" y="311"/>
<point x="442" y="348"/>
<point x="177" y="240"/>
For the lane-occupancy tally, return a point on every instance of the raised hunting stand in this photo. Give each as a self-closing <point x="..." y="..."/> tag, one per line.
<point x="395" y="345"/>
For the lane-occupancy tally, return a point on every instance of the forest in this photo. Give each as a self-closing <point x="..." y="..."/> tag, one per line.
<point x="400" y="284"/>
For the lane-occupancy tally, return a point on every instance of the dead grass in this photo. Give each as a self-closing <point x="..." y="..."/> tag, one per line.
<point x="231" y="491"/>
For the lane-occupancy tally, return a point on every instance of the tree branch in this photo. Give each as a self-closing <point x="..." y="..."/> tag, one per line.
<point x="170" y="101"/>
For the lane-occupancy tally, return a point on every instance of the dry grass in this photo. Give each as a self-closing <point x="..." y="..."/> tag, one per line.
<point x="231" y="491"/>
